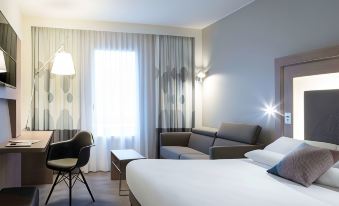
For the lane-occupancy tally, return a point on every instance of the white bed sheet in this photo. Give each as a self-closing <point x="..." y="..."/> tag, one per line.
<point x="233" y="182"/>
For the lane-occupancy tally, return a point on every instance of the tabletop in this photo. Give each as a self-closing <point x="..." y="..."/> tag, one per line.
<point x="127" y="154"/>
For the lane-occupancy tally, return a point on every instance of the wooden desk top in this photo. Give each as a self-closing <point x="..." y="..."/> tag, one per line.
<point x="41" y="146"/>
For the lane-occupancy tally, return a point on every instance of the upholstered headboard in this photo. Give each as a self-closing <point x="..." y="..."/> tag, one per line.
<point x="322" y="116"/>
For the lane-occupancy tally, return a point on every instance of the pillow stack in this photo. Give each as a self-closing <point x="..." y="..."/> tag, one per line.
<point x="300" y="162"/>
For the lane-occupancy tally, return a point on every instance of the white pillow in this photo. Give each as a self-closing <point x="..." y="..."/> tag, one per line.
<point x="323" y="145"/>
<point x="265" y="157"/>
<point x="283" y="145"/>
<point x="329" y="178"/>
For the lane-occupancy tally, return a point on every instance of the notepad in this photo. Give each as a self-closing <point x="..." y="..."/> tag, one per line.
<point x="19" y="144"/>
<point x="32" y="141"/>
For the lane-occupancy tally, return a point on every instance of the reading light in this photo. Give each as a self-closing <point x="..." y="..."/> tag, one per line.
<point x="270" y="110"/>
<point x="201" y="75"/>
<point x="2" y="62"/>
<point x="63" y="64"/>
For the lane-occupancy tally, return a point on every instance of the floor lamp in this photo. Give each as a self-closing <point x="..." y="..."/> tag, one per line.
<point x="62" y="65"/>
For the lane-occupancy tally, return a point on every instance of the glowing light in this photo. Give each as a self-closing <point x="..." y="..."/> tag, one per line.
<point x="270" y="110"/>
<point x="63" y="64"/>
<point x="201" y="75"/>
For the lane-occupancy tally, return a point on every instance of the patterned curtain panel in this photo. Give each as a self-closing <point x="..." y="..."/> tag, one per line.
<point x="56" y="99"/>
<point x="175" y="83"/>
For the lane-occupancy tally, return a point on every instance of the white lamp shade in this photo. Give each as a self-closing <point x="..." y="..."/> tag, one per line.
<point x="2" y="62"/>
<point x="63" y="64"/>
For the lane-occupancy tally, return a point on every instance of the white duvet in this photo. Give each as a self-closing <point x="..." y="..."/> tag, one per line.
<point x="218" y="182"/>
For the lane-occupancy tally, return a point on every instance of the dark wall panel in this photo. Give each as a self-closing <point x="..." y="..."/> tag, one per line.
<point x="322" y="116"/>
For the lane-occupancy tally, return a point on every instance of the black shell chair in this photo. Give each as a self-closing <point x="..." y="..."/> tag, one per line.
<point x="67" y="157"/>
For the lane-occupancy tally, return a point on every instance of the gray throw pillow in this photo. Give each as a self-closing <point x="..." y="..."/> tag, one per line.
<point x="305" y="164"/>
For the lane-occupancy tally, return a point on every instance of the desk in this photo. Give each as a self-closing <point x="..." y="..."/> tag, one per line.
<point x="33" y="158"/>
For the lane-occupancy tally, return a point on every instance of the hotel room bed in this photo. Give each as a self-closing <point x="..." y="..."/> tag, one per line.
<point x="231" y="182"/>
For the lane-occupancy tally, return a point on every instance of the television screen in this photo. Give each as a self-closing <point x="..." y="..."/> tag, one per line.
<point x="8" y="46"/>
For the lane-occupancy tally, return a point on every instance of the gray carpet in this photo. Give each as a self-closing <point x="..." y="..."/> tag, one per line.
<point x="105" y="192"/>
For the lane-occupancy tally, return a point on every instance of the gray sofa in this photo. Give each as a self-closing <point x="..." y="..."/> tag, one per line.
<point x="230" y="141"/>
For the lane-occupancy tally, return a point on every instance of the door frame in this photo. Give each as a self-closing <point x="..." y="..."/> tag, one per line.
<point x="292" y="60"/>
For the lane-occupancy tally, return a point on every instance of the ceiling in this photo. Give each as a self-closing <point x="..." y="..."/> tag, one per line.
<point x="195" y="14"/>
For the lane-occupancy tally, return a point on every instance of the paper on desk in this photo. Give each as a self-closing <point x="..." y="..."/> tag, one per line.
<point x="31" y="141"/>
<point x="19" y="144"/>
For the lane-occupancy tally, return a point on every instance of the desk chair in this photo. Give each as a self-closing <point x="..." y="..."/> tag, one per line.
<point x="67" y="157"/>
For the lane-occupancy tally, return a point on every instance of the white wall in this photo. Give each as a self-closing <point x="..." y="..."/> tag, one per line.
<point x="28" y="22"/>
<point x="12" y="13"/>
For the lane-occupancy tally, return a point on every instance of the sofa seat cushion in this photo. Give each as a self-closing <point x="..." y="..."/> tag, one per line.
<point x="228" y="143"/>
<point x="23" y="196"/>
<point x="194" y="156"/>
<point x="174" y="152"/>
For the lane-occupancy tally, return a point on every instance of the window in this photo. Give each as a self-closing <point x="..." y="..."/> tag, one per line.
<point x="115" y="93"/>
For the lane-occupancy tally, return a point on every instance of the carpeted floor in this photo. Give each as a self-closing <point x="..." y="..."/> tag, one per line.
<point x="105" y="192"/>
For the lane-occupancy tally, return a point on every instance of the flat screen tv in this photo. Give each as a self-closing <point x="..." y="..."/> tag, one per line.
<point x="8" y="45"/>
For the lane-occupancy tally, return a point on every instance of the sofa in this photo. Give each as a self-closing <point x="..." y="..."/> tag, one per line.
<point x="230" y="141"/>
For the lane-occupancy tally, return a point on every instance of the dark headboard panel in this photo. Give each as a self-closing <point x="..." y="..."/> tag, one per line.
<point x="322" y="116"/>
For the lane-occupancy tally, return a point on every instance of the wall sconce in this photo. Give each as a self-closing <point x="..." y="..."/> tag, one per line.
<point x="201" y="75"/>
<point x="271" y="110"/>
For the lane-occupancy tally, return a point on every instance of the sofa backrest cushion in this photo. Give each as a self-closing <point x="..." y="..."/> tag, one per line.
<point x="201" y="140"/>
<point x="226" y="143"/>
<point x="208" y="131"/>
<point x="239" y="132"/>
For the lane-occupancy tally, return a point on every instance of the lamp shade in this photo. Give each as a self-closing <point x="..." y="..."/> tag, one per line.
<point x="2" y="62"/>
<point x="63" y="64"/>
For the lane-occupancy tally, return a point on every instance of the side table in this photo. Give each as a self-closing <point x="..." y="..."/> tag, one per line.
<point x="119" y="160"/>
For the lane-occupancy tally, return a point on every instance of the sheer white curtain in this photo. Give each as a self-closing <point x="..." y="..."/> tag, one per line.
<point x="121" y="102"/>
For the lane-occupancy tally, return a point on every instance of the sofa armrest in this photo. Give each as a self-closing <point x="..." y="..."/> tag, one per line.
<point x="232" y="152"/>
<point x="175" y="138"/>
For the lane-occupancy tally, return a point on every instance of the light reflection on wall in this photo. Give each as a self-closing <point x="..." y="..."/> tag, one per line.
<point x="308" y="83"/>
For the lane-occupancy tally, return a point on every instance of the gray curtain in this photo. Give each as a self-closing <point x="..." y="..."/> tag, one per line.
<point x="175" y="82"/>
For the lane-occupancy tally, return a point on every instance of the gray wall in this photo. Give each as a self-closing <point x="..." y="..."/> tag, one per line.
<point x="240" y="50"/>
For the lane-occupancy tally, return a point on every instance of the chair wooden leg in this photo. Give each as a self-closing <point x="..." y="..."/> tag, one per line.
<point x="70" y="188"/>
<point x="83" y="177"/>
<point x="50" y="193"/>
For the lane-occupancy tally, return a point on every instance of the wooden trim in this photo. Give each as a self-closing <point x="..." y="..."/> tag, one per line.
<point x="291" y="60"/>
